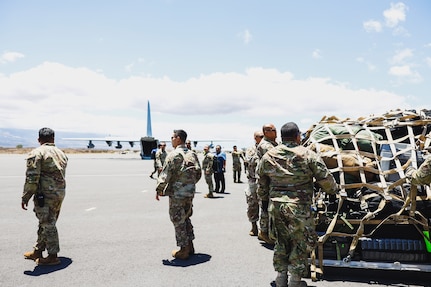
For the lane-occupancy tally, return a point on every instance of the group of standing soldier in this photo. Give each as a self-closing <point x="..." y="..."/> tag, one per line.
<point x="281" y="178"/>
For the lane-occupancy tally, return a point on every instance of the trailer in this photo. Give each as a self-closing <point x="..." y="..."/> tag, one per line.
<point x="378" y="220"/>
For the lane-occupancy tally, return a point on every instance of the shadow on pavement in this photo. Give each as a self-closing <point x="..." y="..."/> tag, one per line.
<point x="42" y="270"/>
<point x="195" y="259"/>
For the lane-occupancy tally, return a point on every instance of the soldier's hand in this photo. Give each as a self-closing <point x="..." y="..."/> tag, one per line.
<point x="157" y="197"/>
<point x="24" y="205"/>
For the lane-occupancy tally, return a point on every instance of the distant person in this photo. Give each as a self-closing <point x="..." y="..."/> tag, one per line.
<point x="219" y="170"/>
<point x="189" y="144"/>
<point x="237" y="156"/>
<point x="177" y="180"/>
<point x="161" y="157"/>
<point x="207" y="167"/>
<point x="267" y="143"/>
<point x="153" y="157"/>
<point x="286" y="179"/>
<point x="251" y="195"/>
<point x="46" y="183"/>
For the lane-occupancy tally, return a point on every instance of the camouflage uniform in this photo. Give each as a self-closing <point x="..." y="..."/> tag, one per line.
<point x="207" y="167"/>
<point x="179" y="183"/>
<point x="236" y="164"/>
<point x="45" y="174"/>
<point x="250" y="193"/>
<point x="160" y="158"/>
<point x="286" y="175"/>
<point x="421" y="176"/>
<point x="264" y="145"/>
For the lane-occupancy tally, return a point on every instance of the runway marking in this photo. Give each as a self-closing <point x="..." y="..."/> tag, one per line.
<point x="90" y="209"/>
<point x="144" y="191"/>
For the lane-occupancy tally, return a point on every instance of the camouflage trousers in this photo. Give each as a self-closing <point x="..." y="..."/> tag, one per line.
<point x="180" y="211"/>
<point x="209" y="181"/>
<point x="293" y="227"/>
<point x="252" y="201"/>
<point x="47" y="234"/>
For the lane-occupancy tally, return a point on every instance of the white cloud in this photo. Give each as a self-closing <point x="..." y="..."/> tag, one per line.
<point x="401" y="56"/>
<point x="218" y="105"/>
<point x="246" y="36"/>
<point x="7" y="57"/>
<point x="316" y="54"/>
<point x="428" y="61"/>
<point x="396" y="14"/>
<point x="372" y="26"/>
<point x="405" y="73"/>
<point x="370" y="66"/>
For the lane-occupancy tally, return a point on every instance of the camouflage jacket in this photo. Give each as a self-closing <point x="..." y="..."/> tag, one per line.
<point x="287" y="173"/>
<point x="46" y="171"/>
<point x="160" y="158"/>
<point x="207" y="163"/>
<point x="251" y="159"/>
<point x="265" y="145"/>
<point x="237" y="156"/>
<point x="180" y="173"/>
<point x="422" y="176"/>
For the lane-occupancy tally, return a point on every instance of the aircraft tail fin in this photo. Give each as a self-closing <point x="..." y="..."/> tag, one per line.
<point x="149" y="131"/>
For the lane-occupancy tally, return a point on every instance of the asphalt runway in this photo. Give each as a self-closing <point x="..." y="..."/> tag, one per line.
<point x="114" y="233"/>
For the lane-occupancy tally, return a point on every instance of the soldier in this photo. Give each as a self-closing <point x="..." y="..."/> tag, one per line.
<point x="160" y="157"/>
<point x="251" y="196"/>
<point x="177" y="180"/>
<point x="286" y="175"/>
<point x="153" y="157"/>
<point x="207" y="167"/>
<point x="236" y="164"/>
<point x="267" y="143"/>
<point x="45" y="182"/>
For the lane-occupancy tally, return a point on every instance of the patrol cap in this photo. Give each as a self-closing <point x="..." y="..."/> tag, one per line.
<point x="289" y="130"/>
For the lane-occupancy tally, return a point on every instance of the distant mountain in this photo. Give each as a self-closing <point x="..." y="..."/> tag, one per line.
<point x="28" y="138"/>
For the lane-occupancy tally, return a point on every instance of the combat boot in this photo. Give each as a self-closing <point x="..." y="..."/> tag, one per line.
<point x="295" y="281"/>
<point x="209" y="195"/>
<point x="264" y="237"/>
<point x="51" y="259"/>
<point x="281" y="279"/>
<point x="183" y="253"/>
<point x="33" y="255"/>
<point x="253" y="231"/>
<point x="192" y="248"/>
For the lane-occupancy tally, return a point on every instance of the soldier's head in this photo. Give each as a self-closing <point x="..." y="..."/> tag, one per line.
<point x="218" y="149"/>
<point x="46" y="135"/>
<point x="206" y="148"/>
<point x="290" y="132"/>
<point x="162" y="145"/>
<point x="188" y="144"/>
<point x="269" y="131"/>
<point x="178" y="138"/>
<point x="258" y="136"/>
<point x="234" y="148"/>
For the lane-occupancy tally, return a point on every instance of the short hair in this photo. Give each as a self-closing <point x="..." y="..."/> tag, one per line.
<point x="181" y="134"/>
<point x="46" y="134"/>
<point x="289" y="131"/>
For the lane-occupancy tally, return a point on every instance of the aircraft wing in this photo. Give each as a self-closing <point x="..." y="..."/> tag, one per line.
<point x="108" y="140"/>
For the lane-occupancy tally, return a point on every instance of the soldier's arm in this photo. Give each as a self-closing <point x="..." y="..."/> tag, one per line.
<point x="323" y="176"/>
<point x="32" y="177"/>
<point x="421" y="176"/>
<point x="263" y="182"/>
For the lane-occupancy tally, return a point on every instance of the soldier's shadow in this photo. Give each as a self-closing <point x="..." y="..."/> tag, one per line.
<point x="197" y="258"/>
<point x="43" y="270"/>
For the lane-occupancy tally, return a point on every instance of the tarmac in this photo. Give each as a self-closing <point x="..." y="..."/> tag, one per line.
<point x="113" y="232"/>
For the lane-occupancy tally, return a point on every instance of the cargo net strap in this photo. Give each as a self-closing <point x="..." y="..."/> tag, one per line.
<point x="369" y="157"/>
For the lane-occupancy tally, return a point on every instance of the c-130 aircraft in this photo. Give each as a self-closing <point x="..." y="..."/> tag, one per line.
<point x="148" y="143"/>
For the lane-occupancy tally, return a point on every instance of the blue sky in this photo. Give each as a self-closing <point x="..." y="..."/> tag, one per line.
<point x="218" y="69"/>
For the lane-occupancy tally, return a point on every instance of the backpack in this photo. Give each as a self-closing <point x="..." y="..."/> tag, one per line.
<point x="191" y="166"/>
<point x="215" y="164"/>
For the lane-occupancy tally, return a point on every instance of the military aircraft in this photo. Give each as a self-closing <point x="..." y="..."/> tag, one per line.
<point x="148" y="142"/>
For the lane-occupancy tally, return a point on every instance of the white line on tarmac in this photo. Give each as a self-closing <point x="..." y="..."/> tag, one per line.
<point x="90" y="209"/>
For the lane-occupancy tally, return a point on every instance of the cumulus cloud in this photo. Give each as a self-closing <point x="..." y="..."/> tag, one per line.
<point x="218" y="105"/>
<point x="401" y="56"/>
<point x="372" y="26"/>
<point x="8" y="57"/>
<point x="395" y="14"/>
